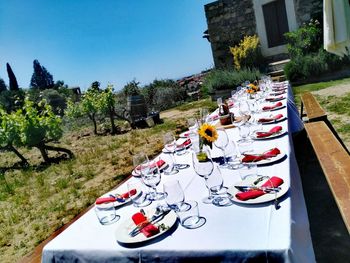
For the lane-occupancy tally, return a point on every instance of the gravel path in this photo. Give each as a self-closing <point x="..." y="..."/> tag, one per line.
<point x="338" y="90"/>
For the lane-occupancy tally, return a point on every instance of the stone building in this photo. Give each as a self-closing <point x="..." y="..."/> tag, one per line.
<point x="230" y="20"/>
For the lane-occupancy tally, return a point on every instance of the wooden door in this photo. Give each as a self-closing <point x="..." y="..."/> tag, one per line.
<point x="276" y="22"/>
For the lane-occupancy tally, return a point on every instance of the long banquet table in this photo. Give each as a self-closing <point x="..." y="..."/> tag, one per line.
<point x="236" y="233"/>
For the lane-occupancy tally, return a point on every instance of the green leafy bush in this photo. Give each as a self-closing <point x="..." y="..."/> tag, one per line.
<point x="227" y="79"/>
<point x="163" y="94"/>
<point x="307" y="39"/>
<point x="308" y="58"/>
<point x="312" y="65"/>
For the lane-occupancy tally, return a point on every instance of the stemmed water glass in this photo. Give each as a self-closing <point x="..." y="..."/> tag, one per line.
<point x="203" y="168"/>
<point x="152" y="179"/>
<point x="217" y="191"/>
<point x="141" y="166"/>
<point x="175" y="197"/>
<point x="222" y="143"/>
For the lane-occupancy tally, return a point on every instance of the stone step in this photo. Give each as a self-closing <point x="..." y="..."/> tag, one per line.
<point x="277" y="65"/>
<point x="276" y="73"/>
<point x="279" y="78"/>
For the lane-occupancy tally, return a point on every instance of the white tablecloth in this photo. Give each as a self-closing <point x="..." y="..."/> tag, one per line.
<point x="237" y="233"/>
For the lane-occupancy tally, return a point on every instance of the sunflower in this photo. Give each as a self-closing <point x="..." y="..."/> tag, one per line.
<point x="208" y="133"/>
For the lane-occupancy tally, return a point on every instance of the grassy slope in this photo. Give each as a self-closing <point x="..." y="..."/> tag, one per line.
<point x="38" y="200"/>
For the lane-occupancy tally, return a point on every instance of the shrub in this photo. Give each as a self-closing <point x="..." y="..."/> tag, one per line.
<point x="167" y="97"/>
<point x="55" y="99"/>
<point x="247" y="53"/>
<point x="308" y="58"/>
<point x="315" y="64"/>
<point x="307" y="39"/>
<point x="227" y="79"/>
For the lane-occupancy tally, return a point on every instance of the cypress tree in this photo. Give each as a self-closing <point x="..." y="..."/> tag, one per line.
<point x="2" y="85"/>
<point x="41" y="78"/>
<point x="12" y="78"/>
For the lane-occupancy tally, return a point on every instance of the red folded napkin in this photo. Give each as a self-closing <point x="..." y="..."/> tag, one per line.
<point x="214" y="117"/>
<point x="273" y="182"/>
<point x="184" y="144"/>
<point x="274" y="118"/>
<point x="159" y="164"/>
<point x="186" y="134"/>
<point x="140" y="220"/>
<point x="278" y="92"/>
<point x="278" y="104"/>
<point x="102" y="200"/>
<point x="269" y="133"/>
<point x="274" y="98"/>
<point x="249" y="158"/>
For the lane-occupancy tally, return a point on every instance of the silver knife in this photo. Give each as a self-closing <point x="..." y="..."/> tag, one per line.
<point x="155" y="218"/>
<point x="245" y="188"/>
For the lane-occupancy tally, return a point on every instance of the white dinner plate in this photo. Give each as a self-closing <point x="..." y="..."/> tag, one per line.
<point x="125" y="227"/>
<point x="278" y="157"/>
<point x="277" y="134"/>
<point x="261" y="199"/>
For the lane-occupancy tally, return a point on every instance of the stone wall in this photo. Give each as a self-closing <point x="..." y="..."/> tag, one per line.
<point x="307" y="9"/>
<point x="228" y="22"/>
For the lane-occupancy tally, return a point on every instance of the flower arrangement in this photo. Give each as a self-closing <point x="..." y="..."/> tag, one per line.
<point x="251" y="88"/>
<point x="207" y="134"/>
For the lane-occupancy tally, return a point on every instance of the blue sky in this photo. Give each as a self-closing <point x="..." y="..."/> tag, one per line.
<point x="111" y="41"/>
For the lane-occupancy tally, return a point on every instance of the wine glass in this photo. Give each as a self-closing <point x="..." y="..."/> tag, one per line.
<point x="203" y="168"/>
<point x="192" y="125"/>
<point x="204" y="113"/>
<point x="170" y="146"/>
<point x="168" y="168"/>
<point x="141" y="163"/>
<point x="219" y="101"/>
<point x="244" y="109"/>
<point x="222" y="143"/>
<point x="152" y="179"/>
<point x="215" y="184"/>
<point x="175" y="197"/>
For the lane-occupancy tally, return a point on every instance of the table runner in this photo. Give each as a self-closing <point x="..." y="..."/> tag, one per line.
<point x="236" y="233"/>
